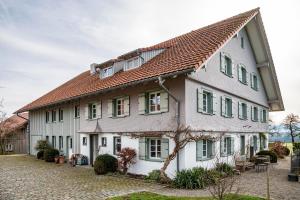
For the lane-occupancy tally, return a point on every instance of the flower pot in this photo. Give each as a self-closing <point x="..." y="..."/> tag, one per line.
<point x="56" y="159"/>
<point x="61" y="160"/>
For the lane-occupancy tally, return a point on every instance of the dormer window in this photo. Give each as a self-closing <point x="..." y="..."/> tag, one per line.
<point x="132" y="64"/>
<point x="106" y="72"/>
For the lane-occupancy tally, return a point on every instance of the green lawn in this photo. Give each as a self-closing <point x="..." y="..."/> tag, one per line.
<point x="153" y="196"/>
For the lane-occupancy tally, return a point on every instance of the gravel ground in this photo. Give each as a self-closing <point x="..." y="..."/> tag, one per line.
<point x="24" y="177"/>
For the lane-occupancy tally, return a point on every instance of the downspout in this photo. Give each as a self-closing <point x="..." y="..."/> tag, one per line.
<point x="161" y="83"/>
<point x="26" y="131"/>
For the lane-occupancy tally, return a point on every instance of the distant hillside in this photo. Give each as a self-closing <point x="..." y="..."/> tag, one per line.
<point x="282" y="134"/>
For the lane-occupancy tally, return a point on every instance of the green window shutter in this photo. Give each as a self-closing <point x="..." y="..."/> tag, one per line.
<point x="127" y="106"/>
<point x="99" y="109"/>
<point x="231" y="145"/>
<point x="230" y="114"/>
<point x="251" y="80"/>
<point x="164" y="148"/>
<point x="214" y="103"/>
<point x="240" y="73"/>
<point x="242" y="145"/>
<point x="141" y="100"/>
<point x="232" y="68"/>
<point x="261" y="115"/>
<point x="222" y="153"/>
<point x="164" y="101"/>
<point x="222" y="106"/>
<point x="114" y="106"/>
<point x="110" y="108"/>
<point x="222" y="62"/>
<point x="210" y="103"/>
<point x="240" y="110"/>
<point x="251" y="141"/>
<point x="142" y="148"/>
<point x="86" y="111"/>
<point x="199" y="100"/>
<point x="199" y="150"/>
<point x="146" y="102"/>
<point x="209" y="149"/>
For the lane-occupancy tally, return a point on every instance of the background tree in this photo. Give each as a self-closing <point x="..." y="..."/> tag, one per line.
<point x="6" y="128"/>
<point x="291" y="122"/>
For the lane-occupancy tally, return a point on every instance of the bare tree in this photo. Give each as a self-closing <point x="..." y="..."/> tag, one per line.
<point x="6" y="128"/>
<point x="181" y="136"/>
<point x="291" y="122"/>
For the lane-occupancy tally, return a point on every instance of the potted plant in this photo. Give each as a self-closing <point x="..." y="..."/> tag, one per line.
<point x="56" y="159"/>
<point x="61" y="159"/>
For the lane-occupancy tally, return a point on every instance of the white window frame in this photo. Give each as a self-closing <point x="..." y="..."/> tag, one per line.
<point x="84" y="141"/>
<point x="204" y="148"/>
<point x="206" y="102"/>
<point x="134" y="64"/>
<point x="103" y="141"/>
<point x="244" y="112"/>
<point x="60" y="115"/>
<point x="77" y="111"/>
<point x="264" y="116"/>
<point x="157" y="102"/>
<point x="47" y="116"/>
<point x="156" y="150"/>
<point x="53" y="115"/>
<point x="242" y="79"/>
<point x="226" y="58"/>
<point x="92" y="112"/>
<point x="254" y="84"/>
<point x="107" y="72"/>
<point x="120" y="106"/>
<point x="117" y="141"/>
<point x="253" y="117"/>
<point x="226" y="106"/>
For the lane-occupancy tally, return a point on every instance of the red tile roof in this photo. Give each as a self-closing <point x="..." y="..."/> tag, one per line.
<point x="187" y="51"/>
<point x="14" y="122"/>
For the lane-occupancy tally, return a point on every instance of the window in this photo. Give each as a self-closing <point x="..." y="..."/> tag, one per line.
<point x="53" y="115"/>
<point x="60" y="143"/>
<point x="227" y="146"/>
<point x="77" y="111"/>
<point x="92" y="112"/>
<point x="207" y="98"/>
<point x="154" y="102"/>
<point x="103" y="141"/>
<point x="226" y="64"/>
<point x="226" y="107"/>
<point x="47" y="116"/>
<point x="132" y="63"/>
<point x="205" y="149"/>
<point x="263" y="116"/>
<point x="120" y="106"/>
<point x="242" y="43"/>
<point x="54" y="141"/>
<point x="242" y="110"/>
<point x="71" y="143"/>
<point x="254" y="113"/>
<point x="155" y="148"/>
<point x="254" y="81"/>
<point x="242" y="145"/>
<point x="106" y="72"/>
<point x="47" y="139"/>
<point x="84" y="141"/>
<point x="60" y="115"/>
<point x="255" y="140"/>
<point x="117" y="145"/>
<point x="242" y="74"/>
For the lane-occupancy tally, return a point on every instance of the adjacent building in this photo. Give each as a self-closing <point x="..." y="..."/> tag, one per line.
<point x="218" y="80"/>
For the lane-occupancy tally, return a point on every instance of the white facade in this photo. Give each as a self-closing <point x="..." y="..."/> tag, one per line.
<point x="185" y="89"/>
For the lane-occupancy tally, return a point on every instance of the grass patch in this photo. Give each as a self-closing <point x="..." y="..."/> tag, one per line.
<point x="153" y="196"/>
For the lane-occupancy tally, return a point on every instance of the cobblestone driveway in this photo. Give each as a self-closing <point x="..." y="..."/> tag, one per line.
<point x="24" y="177"/>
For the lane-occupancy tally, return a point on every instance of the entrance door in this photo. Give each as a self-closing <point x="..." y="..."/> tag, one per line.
<point x="93" y="148"/>
<point x="69" y="146"/>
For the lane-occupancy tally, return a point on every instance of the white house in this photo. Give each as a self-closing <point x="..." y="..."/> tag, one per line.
<point x="219" y="79"/>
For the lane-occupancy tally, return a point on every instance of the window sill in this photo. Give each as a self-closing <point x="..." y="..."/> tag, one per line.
<point x="243" y="118"/>
<point x="254" y="120"/>
<point x="91" y="119"/>
<point x="154" y="113"/>
<point x="244" y="83"/>
<point x="120" y="116"/>
<point x="229" y="117"/>
<point x="256" y="89"/>
<point x="206" y="113"/>
<point x="229" y="75"/>
<point x="226" y="155"/>
<point x="205" y="159"/>
<point x="154" y="160"/>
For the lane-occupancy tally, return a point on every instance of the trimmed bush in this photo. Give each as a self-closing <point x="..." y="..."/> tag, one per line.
<point x="105" y="163"/>
<point x="42" y="145"/>
<point x="296" y="146"/>
<point x="154" y="175"/>
<point x="196" y="178"/>
<point x="279" y="149"/>
<point x="273" y="156"/>
<point x="40" y="154"/>
<point x="224" y="169"/>
<point x="50" y="154"/>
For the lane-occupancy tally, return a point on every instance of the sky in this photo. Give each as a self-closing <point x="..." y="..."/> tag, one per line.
<point x="46" y="43"/>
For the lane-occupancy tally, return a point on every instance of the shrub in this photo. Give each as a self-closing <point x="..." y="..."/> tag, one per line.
<point x="154" y="175"/>
<point x="273" y="156"/>
<point x="225" y="169"/>
<point x="50" y="154"/>
<point x="40" y="154"/>
<point x="296" y="146"/>
<point x="105" y="163"/>
<point x="278" y="148"/>
<point x="196" y="178"/>
<point x="126" y="156"/>
<point x="287" y="151"/>
<point x="42" y="145"/>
